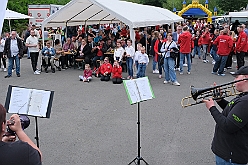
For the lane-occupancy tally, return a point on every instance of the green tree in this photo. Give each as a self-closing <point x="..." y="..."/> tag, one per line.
<point x="158" y="3"/>
<point x="232" y="5"/>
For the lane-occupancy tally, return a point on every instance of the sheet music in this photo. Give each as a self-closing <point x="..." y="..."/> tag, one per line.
<point x="132" y="91"/>
<point x="19" y="100"/>
<point x="144" y="88"/>
<point x="38" y="103"/>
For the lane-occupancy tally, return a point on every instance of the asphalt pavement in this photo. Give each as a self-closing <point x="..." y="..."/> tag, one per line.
<point x="94" y="124"/>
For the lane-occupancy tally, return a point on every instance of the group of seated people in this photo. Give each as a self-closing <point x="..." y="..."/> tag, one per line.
<point x="104" y="72"/>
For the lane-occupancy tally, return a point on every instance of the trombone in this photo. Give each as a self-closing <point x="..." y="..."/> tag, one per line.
<point x="216" y="92"/>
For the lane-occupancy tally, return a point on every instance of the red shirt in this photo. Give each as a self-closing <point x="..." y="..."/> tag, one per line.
<point x="185" y="42"/>
<point x="106" y="67"/>
<point x="205" y="38"/>
<point x="116" y="72"/>
<point x="241" y="45"/>
<point x="123" y="32"/>
<point x="224" y="44"/>
<point x="87" y="73"/>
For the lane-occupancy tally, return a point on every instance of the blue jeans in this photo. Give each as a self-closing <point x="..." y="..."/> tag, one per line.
<point x="141" y="70"/>
<point x="198" y="50"/>
<point x="17" y="62"/>
<point x="137" y="65"/>
<point x="129" y="63"/>
<point x="213" y="53"/>
<point x="220" y="161"/>
<point x="220" y="63"/>
<point x="154" y="63"/>
<point x="169" y="71"/>
<point x="205" y="51"/>
<point x="182" y="57"/>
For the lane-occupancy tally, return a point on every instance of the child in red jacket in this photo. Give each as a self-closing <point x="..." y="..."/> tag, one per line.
<point x="87" y="74"/>
<point x="106" y="69"/>
<point x="116" y="73"/>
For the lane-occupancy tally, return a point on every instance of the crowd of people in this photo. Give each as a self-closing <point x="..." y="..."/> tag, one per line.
<point x="169" y="50"/>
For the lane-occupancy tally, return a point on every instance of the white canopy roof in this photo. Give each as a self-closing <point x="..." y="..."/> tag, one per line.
<point x="79" y="12"/>
<point x="9" y="14"/>
<point x="238" y="14"/>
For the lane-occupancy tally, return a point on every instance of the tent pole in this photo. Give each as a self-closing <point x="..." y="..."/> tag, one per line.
<point x="132" y="36"/>
<point x="43" y="35"/>
<point x="9" y="27"/>
<point x="66" y="30"/>
<point x="172" y="27"/>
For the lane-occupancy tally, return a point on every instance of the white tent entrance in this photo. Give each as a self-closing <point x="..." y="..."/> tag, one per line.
<point x="79" y="12"/>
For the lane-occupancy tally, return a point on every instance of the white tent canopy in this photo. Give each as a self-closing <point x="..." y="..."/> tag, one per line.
<point x="82" y="12"/>
<point x="238" y="14"/>
<point x="78" y="12"/>
<point x="9" y="14"/>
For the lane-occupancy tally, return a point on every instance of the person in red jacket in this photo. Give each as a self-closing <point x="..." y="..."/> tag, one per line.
<point x="205" y="41"/>
<point x="116" y="73"/>
<point x="241" y="47"/>
<point x="87" y="77"/>
<point x="106" y="69"/>
<point x="224" y="44"/>
<point x="185" y="48"/>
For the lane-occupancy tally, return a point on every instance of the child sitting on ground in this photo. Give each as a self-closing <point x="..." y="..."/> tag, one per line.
<point x="116" y="73"/>
<point x="87" y="74"/>
<point x="106" y="70"/>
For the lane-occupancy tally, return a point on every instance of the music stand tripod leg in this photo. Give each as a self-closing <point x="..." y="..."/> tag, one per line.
<point x="138" y="158"/>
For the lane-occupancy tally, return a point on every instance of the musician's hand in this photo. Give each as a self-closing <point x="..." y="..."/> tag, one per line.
<point x="209" y="103"/>
<point x="17" y="123"/>
<point x="9" y="138"/>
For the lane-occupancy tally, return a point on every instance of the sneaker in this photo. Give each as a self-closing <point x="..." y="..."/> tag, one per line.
<point x="36" y="72"/>
<point x="176" y="83"/>
<point x="8" y="76"/>
<point x="181" y="73"/>
<point x="166" y="82"/>
<point x="5" y="69"/>
<point x="18" y="75"/>
<point x="213" y="62"/>
<point x="214" y="73"/>
<point x="185" y="65"/>
<point x="205" y="61"/>
<point x="221" y="74"/>
<point x="53" y="70"/>
<point x="229" y="67"/>
<point x="13" y="70"/>
<point x="188" y="72"/>
<point x="155" y="71"/>
<point x="160" y="76"/>
<point x="232" y="72"/>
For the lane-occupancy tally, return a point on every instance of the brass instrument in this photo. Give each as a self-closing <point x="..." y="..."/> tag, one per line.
<point x="215" y="92"/>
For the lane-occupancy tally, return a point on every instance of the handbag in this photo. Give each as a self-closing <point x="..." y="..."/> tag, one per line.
<point x="174" y="53"/>
<point x="161" y="61"/>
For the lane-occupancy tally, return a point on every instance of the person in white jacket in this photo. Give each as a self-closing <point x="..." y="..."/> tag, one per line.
<point x="118" y="53"/>
<point x="130" y="51"/>
<point x="2" y="43"/>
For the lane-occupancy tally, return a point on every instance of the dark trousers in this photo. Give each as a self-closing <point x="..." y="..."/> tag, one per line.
<point x="34" y="58"/>
<point x="63" y="61"/>
<point x="229" y="60"/>
<point x="105" y="78"/>
<point x="97" y="58"/>
<point x="240" y="59"/>
<point x="3" y="60"/>
<point x="116" y="80"/>
<point x="87" y="59"/>
<point x="68" y="58"/>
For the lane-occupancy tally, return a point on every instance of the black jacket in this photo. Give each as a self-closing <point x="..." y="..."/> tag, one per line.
<point x="86" y="50"/>
<point x="7" y="46"/>
<point x="230" y="140"/>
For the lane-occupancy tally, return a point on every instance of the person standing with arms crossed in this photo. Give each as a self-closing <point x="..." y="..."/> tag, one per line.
<point x="231" y="131"/>
<point x="241" y="47"/>
<point x="32" y="44"/>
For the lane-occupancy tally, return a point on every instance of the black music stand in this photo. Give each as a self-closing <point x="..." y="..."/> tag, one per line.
<point x="138" y="158"/>
<point x="138" y="90"/>
<point x="23" y="101"/>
